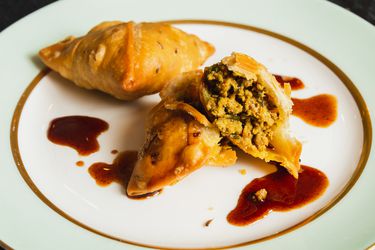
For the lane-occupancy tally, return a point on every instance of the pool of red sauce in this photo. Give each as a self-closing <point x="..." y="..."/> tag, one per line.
<point x="78" y="132"/>
<point x="80" y="163"/>
<point x="319" y="111"/>
<point x="295" y="83"/>
<point x="119" y="171"/>
<point x="284" y="193"/>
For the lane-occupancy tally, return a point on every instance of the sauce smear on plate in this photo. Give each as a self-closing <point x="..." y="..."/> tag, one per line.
<point x="295" y="83"/>
<point x="319" y="111"/>
<point x="78" y="132"/>
<point x="119" y="171"/>
<point x="80" y="163"/>
<point x="278" y="191"/>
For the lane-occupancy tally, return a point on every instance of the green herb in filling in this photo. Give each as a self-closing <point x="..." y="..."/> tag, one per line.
<point x="240" y="107"/>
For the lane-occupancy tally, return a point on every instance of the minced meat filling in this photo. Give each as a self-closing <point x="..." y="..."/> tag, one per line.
<point x="240" y="107"/>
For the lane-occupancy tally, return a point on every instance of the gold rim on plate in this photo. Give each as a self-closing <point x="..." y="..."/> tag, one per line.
<point x="365" y="116"/>
<point x="5" y="246"/>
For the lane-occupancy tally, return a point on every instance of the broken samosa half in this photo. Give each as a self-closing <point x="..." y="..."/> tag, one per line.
<point x="249" y="107"/>
<point x="125" y="59"/>
<point x="186" y="89"/>
<point x="179" y="140"/>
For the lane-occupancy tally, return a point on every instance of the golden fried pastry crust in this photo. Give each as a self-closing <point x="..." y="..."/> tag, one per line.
<point x="250" y="108"/>
<point x="176" y="145"/>
<point x="179" y="139"/>
<point x="127" y="60"/>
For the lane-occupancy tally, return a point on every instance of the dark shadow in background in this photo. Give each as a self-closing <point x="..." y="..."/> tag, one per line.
<point x="12" y="10"/>
<point x="363" y="8"/>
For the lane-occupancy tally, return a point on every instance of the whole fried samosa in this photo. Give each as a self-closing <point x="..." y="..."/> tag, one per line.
<point x="127" y="60"/>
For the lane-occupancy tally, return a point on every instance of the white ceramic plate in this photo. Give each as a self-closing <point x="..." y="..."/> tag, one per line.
<point x="175" y="218"/>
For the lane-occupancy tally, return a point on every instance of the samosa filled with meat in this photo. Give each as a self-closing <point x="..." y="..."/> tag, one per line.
<point x="248" y="106"/>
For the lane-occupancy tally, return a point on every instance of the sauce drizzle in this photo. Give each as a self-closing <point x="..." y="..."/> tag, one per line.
<point x="319" y="111"/>
<point x="284" y="193"/>
<point x="119" y="171"/>
<point x="295" y="83"/>
<point x="80" y="163"/>
<point x="78" y="132"/>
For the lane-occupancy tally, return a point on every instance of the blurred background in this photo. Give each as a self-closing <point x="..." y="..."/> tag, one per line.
<point x="12" y="10"/>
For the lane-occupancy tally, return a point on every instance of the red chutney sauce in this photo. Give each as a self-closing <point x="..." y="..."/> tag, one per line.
<point x="281" y="192"/>
<point x="119" y="171"/>
<point x="78" y="132"/>
<point x="80" y="163"/>
<point x="319" y="111"/>
<point x="295" y="83"/>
